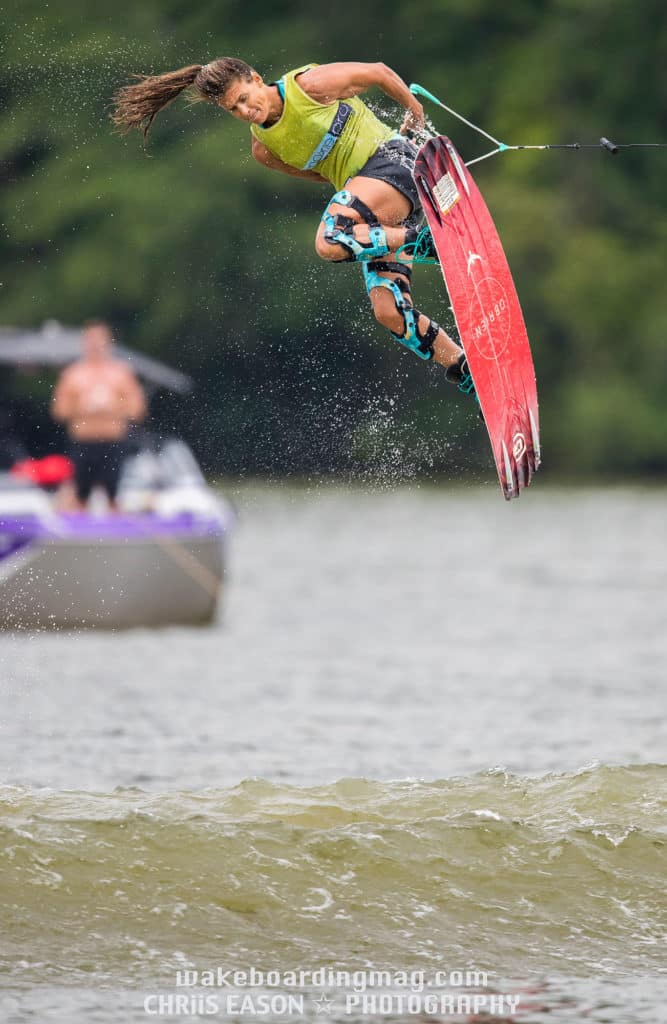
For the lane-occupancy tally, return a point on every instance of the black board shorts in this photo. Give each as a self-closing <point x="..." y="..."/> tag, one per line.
<point x="97" y="464"/>
<point x="394" y="163"/>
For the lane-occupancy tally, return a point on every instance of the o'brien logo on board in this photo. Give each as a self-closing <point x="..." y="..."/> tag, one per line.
<point x="331" y="992"/>
<point x="518" y="445"/>
<point x="446" y="193"/>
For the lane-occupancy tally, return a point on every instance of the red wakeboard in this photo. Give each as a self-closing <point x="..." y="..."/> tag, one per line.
<point x="486" y="308"/>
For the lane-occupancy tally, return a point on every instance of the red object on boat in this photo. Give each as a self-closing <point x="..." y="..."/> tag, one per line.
<point x="47" y="472"/>
<point x="486" y="308"/>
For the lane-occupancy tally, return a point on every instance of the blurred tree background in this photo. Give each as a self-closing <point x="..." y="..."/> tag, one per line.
<point x="201" y="257"/>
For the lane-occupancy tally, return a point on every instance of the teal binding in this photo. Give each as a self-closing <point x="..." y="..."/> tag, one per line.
<point x="421" y="250"/>
<point x="459" y="373"/>
<point x="467" y="386"/>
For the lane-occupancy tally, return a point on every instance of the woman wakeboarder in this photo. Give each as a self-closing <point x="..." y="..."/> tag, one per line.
<point x="312" y="124"/>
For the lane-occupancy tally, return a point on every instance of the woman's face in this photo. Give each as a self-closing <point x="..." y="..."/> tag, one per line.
<point x="247" y="101"/>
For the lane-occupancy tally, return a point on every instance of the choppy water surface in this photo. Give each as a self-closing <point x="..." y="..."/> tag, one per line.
<point x="427" y="734"/>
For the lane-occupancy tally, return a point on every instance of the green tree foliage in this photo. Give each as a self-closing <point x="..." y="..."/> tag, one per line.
<point x="198" y="255"/>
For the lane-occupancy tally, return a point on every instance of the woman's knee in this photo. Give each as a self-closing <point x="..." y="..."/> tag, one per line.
<point x="326" y="250"/>
<point x="386" y="311"/>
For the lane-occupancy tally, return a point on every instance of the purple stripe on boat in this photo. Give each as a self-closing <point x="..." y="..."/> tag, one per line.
<point x="16" y="531"/>
<point x="11" y="545"/>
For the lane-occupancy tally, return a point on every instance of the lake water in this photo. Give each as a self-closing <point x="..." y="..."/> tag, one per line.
<point x="426" y="735"/>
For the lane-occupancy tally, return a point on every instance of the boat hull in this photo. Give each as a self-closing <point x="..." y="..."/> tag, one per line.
<point x="129" y="574"/>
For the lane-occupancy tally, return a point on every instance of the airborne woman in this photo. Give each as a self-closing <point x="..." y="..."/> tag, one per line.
<point x="311" y="124"/>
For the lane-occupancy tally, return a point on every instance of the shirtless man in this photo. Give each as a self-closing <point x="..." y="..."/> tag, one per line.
<point x="97" y="398"/>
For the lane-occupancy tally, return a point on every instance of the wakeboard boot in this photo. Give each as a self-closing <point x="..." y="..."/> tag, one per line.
<point x="418" y="247"/>
<point x="459" y="373"/>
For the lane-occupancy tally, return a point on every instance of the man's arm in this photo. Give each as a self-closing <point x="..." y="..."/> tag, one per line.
<point x="265" y="157"/>
<point x="64" y="398"/>
<point x="134" y="400"/>
<point x="339" y="81"/>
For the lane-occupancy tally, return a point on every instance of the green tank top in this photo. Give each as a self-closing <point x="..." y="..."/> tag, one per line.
<point x="304" y="124"/>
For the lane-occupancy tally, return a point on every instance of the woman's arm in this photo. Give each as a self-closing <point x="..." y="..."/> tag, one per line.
<point x="339" y="81"/>
<point x="265" y="157"/>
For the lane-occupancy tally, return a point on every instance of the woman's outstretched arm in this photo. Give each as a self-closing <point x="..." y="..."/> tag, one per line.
<point x="338" y="81"/>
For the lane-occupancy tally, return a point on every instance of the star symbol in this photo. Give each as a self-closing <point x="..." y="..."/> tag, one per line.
<point x="323" y="1004"/>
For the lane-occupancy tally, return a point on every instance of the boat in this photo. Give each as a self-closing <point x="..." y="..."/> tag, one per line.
<point x="158" y="560"/>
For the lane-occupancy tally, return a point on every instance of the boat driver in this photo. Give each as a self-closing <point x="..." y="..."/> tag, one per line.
<point x="97" y="398"/>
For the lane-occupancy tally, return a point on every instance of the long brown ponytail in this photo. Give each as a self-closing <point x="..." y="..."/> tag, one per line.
<point x="135" y="106"/>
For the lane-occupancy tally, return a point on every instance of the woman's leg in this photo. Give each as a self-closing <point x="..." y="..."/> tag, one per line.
<point x="371" y="234"/>
<point x="385" y="202"/>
